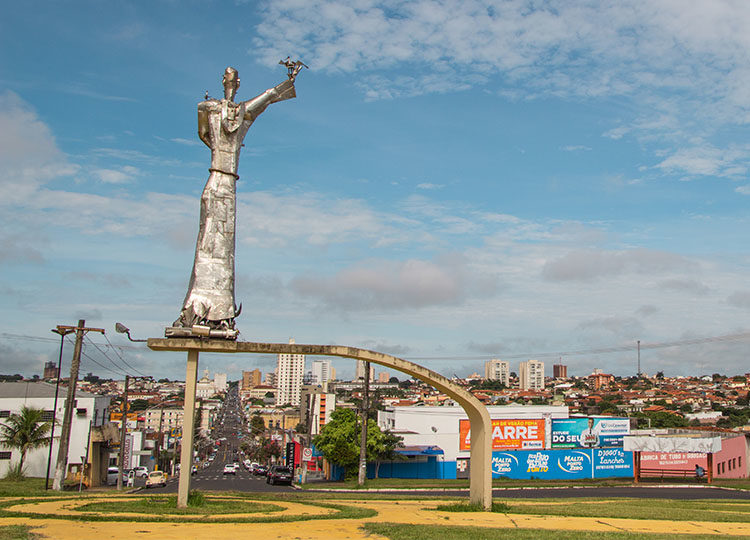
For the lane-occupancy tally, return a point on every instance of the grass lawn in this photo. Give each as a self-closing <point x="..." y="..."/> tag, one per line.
<point x="26" y="487"/>
<point x="16" y="532"/>
<point x="430" y="532"/>
<point x="660" y="509"/>
<point x="168" y="505"/>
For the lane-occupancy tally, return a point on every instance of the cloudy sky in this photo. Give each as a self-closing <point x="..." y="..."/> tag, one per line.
<point x="456" y="181"/>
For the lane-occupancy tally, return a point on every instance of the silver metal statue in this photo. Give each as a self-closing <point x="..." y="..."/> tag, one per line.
<point x="209" y="309"/>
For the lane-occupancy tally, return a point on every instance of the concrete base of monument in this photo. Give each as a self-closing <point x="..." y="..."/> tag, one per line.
<point x="200" y="331"/>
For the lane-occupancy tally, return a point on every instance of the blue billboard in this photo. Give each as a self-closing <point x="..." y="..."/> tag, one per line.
<point x="563" y="464"/>
<point x="589" y="432"/>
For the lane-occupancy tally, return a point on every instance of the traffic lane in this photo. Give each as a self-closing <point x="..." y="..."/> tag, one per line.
<point x="213" y="479"/>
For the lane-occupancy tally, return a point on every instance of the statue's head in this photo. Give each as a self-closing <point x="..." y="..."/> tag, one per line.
<point x="231" y="82"/>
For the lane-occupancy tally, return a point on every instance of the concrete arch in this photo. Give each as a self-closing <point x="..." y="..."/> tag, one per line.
<point x="480" y="474"/>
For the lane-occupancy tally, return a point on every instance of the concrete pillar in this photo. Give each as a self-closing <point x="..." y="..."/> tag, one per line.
<point x="188" y="428"/>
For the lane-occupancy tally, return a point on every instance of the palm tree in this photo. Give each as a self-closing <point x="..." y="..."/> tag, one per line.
<point x="25" y="431"/>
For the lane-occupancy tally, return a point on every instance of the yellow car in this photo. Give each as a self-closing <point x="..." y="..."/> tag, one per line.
<point x="156" y="478"/>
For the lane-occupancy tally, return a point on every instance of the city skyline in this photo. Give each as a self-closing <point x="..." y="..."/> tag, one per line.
<point x="476" y="180"/>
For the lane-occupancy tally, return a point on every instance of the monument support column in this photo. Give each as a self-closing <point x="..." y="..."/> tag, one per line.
<point x="188" y="428"/>
<point x="480" y="476"/>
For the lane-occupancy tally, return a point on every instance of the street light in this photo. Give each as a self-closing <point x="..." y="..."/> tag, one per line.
<point x="62" y="332"/>
<point x="122" y="329"/>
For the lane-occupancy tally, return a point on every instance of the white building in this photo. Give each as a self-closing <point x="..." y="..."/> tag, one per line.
<point x="439" y="426"/>
<point x="91" y="410"/>
<point x="531" y="375"/>
<point x="316" y="407"/>
<point x="361" y="371"/>
<point x="321" y="372"/>
<point x="220" y="382"/>
<point x="497" y="370"/>
<point x="290" y="371"/>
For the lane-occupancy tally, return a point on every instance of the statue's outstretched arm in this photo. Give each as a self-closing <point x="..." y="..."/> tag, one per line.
<point x="203" y="128"/>
<point x="280" y="92"/>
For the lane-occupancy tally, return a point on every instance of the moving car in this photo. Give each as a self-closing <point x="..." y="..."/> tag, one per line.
<point x="156" y="478"/>
<point x="279" y="475"/>
<point x="229" y="469"/>
<point x="140" y="471"/>
<point x="261" y="470"/>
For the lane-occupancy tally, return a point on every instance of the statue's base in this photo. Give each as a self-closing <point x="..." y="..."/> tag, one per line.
<point x="198" y="331"/>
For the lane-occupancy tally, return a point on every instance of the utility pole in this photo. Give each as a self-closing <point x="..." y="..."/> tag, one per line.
<point x="62" y="454"/>
<point x="363" y="434"/>
<point x="123" y="433"/>
<point x="62" y="332"/>
<point x="159" y="438"/>
<point x="639" y="358"/>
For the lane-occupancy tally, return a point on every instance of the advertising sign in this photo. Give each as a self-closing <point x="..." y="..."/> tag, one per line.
<point x="683" y="461"/>
<point x="563" y="464"/>
<point x="589" y="432"/>
<point x="522" y="434"/>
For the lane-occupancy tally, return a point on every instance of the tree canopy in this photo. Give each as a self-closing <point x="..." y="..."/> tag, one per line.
<point x="25" y="431"/>
<point x="338" y="441"/>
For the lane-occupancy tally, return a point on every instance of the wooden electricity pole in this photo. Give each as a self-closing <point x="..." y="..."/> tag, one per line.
<point x="62" y="454"/>
<point x="363" y="434"/>
<point x="123" y="433"/>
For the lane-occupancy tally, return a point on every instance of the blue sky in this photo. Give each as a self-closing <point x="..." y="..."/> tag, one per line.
<point x="455" y="181"/>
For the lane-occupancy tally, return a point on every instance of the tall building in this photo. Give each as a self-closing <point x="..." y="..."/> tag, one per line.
<point x="383" y="377"/>
<point x="497" y="370"/>
<point x="531" y="375"/>
<point x="321" y="371"/>
<point x="560" y="371"/>
<point x="361" y="370"/>
<point x="50" y="370"/>
<point x="251" y="379"/>
<point x="290" y="370"/>
<point x="220" y="382"/>
<point x="316" y="406"/>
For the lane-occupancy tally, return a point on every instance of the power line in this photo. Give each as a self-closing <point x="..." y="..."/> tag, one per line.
<point x="117" y="352"/>
<point x="97" y="363"/>
<point x="103" y="353"/>
<point x="602" y="350"/>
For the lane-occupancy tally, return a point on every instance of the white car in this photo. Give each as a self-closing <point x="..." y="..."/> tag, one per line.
<point x="230" y="469"/>
<point x="140" y="472"/>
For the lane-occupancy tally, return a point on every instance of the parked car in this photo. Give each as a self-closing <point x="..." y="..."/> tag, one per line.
<point x="261" y="470"/>
<point x="112" y="473"/>
<point x="279" y="475"/>
<point x="140" y="471"/>
<point x="229" y="469"/>
<point x="156" y="478"/>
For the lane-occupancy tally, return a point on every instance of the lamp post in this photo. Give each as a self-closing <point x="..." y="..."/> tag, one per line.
<point x="122" y="329"/>
<point x="62" y="332"/>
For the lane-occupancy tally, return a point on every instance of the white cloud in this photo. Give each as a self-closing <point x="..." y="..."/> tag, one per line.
<point x="29" y="156"/>
<point x="708" y="161"/>
<point x="576" y="148"/>
<point x="378" y="284"/>
<point x="124" y="175"/>
<point x="586" y="265"/>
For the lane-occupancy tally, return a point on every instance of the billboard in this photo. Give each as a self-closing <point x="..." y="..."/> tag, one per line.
<point x="563" y="464"/>
<point x="524" y="434"/>
<point x="589" y="432"/>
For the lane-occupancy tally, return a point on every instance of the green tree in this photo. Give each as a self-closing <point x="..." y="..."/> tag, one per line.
<point x="381" y="446"/>
<point x="257" y="425"/>
<point x="25" y="431"/>
<point x="338" y="441"/>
